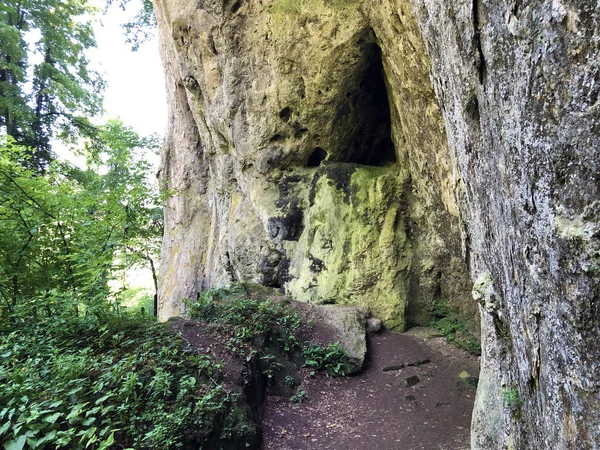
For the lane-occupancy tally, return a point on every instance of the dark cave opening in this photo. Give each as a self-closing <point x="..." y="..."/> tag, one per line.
<point x="370" y="126"/>
<point x="316" y="157"/>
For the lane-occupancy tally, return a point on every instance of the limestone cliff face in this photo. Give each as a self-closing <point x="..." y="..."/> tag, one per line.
<point x="518" y="86"/>
<point x="380" y="153"/>
<point x="307" y="151"/>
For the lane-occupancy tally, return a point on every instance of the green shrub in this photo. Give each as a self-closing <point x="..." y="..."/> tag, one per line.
<point x="96" y="380"/>
<point x="333" y="358"/>
<point x="253" y="324"/>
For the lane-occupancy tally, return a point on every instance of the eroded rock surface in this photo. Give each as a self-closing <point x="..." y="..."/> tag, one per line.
<point x="307" y="151"/>
<point x="518" y="86"/>
<point x="347" y="325"/>
<point x="379" y="153"/>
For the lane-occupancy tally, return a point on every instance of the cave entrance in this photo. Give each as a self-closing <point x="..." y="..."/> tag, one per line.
<point x="370" y="138"/>
<point x="316" y="157"/>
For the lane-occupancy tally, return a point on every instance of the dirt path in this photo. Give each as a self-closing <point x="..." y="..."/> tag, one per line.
<point x="376" y="410"/>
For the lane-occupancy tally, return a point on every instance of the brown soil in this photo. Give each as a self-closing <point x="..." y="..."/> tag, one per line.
<point x="376" y="410"/>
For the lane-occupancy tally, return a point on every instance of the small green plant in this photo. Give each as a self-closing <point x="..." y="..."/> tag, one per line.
<point x="251" y="325"/>
<point x="332" y="358"/>
<point x="454" y="329"/>
<point x="512" y="400"/>
<point x="299" y="396"/>
<point x="272" y="365"/>
<point x="247" y="321"/>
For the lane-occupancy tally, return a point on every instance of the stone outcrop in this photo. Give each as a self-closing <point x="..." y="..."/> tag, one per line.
<point x="382" y="154"/>
<point x="347" y="326"/>
<point x="307" y="152"/>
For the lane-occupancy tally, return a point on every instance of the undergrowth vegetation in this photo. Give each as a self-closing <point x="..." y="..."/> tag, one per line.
<point x="455" y="329"/>
<point x="253" y="324"/>
<point x="104" y="379"/>
<point x="101" y="377"/>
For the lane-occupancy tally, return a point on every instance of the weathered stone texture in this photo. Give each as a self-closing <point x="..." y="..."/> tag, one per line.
<point x="322" y="165"/>
<point x="518" y="86"/>
<point x="377" y="153"/>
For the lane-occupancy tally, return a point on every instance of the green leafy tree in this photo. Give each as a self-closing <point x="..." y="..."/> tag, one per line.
<point x="66" y="233"/>
<point x="127" y="184"/>
<point x="142" y="25"/>
<point x="46" y="88"/>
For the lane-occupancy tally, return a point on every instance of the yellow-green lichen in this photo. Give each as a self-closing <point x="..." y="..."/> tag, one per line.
<point x="313" y="7"/>
<point x="484" y="292"/>
<point x="354" y="250"/>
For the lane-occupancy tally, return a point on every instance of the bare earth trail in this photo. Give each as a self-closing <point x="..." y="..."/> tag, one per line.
<point x="376" y="410"/>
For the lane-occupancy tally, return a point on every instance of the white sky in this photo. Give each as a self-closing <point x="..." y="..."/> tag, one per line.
<point x="135" y="83"/>
<point x="135" y="92"/>
<point x="135" y="89"/>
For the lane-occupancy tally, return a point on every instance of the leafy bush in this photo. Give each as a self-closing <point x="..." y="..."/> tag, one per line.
<point x="333" y="358"/>
<point x="95" y="380"/>
<point x="72" y="231"/>
<point x="252" y="324"/>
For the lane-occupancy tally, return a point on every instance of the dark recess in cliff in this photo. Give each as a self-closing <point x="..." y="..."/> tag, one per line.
<point x="370" y="142"/>
<point x="316" y="157"/>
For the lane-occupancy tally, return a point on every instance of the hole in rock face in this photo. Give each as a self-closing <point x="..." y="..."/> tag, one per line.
<point x="316" y="157"/>
<point x="366" y="115"/>
<point x="300" y="133"/>
<point x="236" y="6"/>
<point x="285" y="114"/>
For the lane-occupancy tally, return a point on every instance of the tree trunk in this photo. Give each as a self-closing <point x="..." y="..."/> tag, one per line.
<point x="155" y="281"/>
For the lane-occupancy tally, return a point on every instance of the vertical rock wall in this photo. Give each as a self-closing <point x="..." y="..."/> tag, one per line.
<point x="518" y="86"/>
<point x="377" y="153"/>
<point x="320" y="163"/>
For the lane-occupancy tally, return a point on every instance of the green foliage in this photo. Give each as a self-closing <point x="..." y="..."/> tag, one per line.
<point x="333" y="358"/>
<point x="299" y="396"/>
<point x="142" y="25"/>
<point x="107" y="378"/>
<point x="66" y="233"/>
<point x="46" y="88"/>
<point x="248" y="321"/>
<point x="252" y="325"/>
<point x="454" y="329"/>
<point x="512" y="400"/>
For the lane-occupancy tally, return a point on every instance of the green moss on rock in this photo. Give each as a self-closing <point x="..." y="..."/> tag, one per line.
<point x="354" y="249"/>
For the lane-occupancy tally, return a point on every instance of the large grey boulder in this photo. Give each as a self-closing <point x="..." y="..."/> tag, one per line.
<point x="344" y="324"/>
